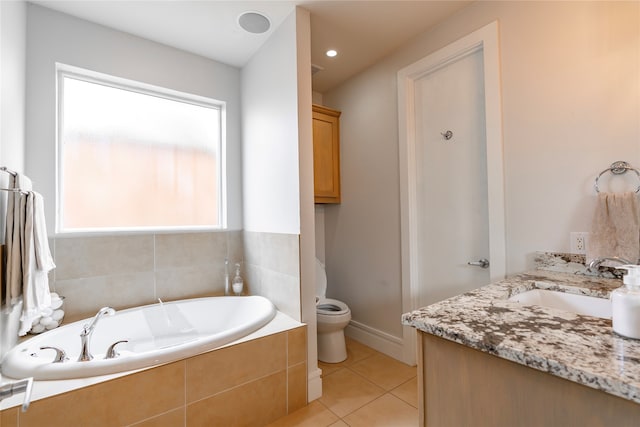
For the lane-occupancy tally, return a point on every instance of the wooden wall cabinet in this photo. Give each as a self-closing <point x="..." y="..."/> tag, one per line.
<point x="326" y="154"/>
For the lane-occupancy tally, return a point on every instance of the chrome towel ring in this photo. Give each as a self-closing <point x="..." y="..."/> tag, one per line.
<point x="618" y="168"/>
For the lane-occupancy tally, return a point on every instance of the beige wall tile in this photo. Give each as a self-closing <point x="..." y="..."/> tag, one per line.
<point x="296" y="387"/>
<point x="121" y="401"/>
<point x="282" y="253"/>
<point x="9" y="417"/>
<point x="175" y="418"/>
<point x="178" y="283"/>
<point x="297" y="346"/>
<point x="253" y="404"/>
<point x="283" y="291"/>
<point x="235" y="250"/>
<point x="273" y="251"/>
<point x="189" y="249"/>
<point x="87" y="296"/>
<point x="213" y="372"/>
<point x="81" y="257"/>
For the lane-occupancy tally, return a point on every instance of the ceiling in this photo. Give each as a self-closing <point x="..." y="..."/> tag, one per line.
<point x="362" y="31"/>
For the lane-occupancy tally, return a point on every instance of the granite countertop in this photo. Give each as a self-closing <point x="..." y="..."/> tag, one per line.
<point x="579" y="348"/>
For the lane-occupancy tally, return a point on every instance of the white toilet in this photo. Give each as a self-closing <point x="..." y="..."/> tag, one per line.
<point x="333" y="316"/>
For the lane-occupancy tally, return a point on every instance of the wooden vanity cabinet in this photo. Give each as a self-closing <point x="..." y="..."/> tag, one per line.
<point x="460" y="386"/>
<point x="326" y="154"/>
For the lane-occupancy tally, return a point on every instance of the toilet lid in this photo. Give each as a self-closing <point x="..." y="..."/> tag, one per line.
<point x="321" y="279"/>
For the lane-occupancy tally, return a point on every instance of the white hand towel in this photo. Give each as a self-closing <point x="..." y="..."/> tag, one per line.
<point x="615" y="230"/>
<point x="14" y="238"/>
<point x="36" y="263"/>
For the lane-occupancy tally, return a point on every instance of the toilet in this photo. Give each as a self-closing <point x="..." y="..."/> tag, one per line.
<point x="333" y="316"/>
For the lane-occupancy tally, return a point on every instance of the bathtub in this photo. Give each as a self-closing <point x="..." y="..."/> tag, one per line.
<point x="156" y="334"/>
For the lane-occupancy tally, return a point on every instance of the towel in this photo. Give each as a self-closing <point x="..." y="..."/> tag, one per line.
<point x="36" y="262"/>
<point x="615" y="230"/>
<point x="14" y="238"/>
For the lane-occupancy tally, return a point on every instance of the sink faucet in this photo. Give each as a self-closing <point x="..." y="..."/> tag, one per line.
<point x="596" y="262"/>
<point x="87" y="330"/>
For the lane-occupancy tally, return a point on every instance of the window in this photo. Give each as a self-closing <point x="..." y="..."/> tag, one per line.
<point x="133" y="156"/>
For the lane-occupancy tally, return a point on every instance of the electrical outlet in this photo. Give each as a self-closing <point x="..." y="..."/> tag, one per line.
<point x="579" y="241"/>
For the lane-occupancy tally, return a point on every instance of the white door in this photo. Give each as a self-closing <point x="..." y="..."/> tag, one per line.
<point x="451" y="188"/>
<point x="451" y="179"/>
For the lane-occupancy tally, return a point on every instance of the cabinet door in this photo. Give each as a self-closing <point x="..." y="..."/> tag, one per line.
<point x="326" y="155"/>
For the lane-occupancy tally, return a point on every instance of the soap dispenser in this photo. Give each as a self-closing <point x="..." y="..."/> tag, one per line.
<point x="625" y="304"/>
<point x="237" y="284"/>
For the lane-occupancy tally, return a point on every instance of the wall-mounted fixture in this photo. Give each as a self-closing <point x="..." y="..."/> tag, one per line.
<point x="254" y="22"/>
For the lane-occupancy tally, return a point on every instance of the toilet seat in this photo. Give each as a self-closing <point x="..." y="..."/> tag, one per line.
<point x="331" y="307"/>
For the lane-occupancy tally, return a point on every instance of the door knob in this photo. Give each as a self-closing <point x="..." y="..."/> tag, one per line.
<point x="482" y="263"/>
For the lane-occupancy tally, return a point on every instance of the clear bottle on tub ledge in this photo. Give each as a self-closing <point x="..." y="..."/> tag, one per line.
<point x="625" y="304"/>
<point x="237" y="284"/>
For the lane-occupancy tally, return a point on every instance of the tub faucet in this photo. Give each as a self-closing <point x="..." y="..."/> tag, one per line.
<point x="87" y="331"/>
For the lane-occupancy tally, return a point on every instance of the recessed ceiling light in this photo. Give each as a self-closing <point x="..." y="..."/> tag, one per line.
<point x="254" y="22"/>
<point x="331" y="53"/>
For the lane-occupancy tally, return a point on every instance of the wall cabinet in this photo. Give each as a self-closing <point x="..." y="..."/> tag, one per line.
<point x="326" y="154"/>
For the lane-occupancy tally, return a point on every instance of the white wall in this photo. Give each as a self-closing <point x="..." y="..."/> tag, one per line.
<point x="571" y="106"/>
<point x="13" y="26"/>
<point x="270" y="135"/>
<point x="56" y="37"/>
<point x="278" y="175"/>
<point x="13" y="40"/>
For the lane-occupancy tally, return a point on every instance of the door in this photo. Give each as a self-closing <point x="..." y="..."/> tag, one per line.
<point x="451" y="179"/>
<point x="451" y="173"/>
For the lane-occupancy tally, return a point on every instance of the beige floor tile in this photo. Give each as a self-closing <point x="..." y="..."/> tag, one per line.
<point x="345" y="391"/>
<point x="386" y="411"/>
<point x="408" y="392"/>
<point x="384" y="371"/>
<point x="315" y="414"/>
<point x="339" y="423"/>
<point x="357" y="352"/>
<point x="329" y="368"/>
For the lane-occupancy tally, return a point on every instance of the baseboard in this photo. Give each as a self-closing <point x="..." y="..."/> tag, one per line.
<point x="381" y="341"/>
<point x="314" y="385"/>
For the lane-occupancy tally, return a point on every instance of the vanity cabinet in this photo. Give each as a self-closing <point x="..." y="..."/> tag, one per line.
<point x="461" y="386"/>
<point x="326" y="154"/>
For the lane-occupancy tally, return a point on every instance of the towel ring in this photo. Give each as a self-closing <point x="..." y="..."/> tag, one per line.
<point x="618" y="168"/>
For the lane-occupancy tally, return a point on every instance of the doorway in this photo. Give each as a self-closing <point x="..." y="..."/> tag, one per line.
<point x="452" y="185"/>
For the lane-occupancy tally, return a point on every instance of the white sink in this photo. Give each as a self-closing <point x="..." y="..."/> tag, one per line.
<point x="579" y="304"/>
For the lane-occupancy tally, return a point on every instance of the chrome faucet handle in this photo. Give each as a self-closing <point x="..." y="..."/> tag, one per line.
<point x="111" y="352"/>
<point x="61" y="356"/>
<point x="25" y="385"/>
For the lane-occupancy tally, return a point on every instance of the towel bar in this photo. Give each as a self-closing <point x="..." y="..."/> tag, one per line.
<point x="618" y="168"/>
<point x="9" y="171"/>
<point x="14" y="174"/>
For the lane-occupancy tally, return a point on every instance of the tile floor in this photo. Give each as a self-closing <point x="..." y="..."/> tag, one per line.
<point x="368" y="389"/>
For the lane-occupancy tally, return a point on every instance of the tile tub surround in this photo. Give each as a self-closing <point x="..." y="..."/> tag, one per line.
<point x="213" y="388"/>
<point x="272" y="269"/>
<point x="130" y="270"/>
<point x="578" y="348"/>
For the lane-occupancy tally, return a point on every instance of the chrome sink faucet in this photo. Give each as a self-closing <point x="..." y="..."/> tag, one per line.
<point x="596" y="262"/>
<point x="87" y="331"/>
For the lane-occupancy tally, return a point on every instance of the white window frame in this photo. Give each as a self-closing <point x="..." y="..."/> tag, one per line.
<point x="64" y="70"/>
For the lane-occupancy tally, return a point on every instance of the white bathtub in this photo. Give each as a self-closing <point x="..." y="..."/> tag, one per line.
<point x="156" y="334"/>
